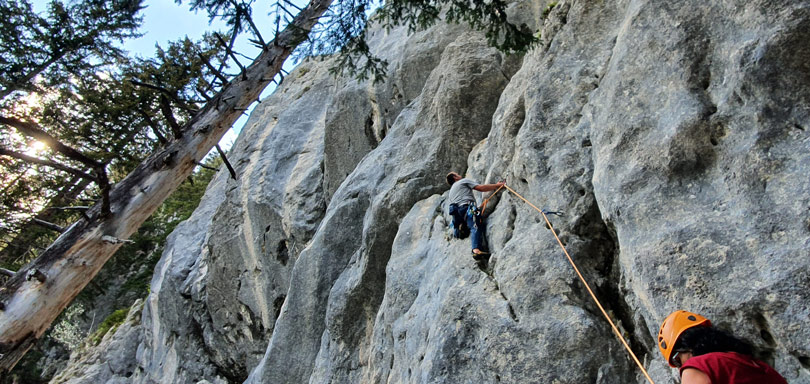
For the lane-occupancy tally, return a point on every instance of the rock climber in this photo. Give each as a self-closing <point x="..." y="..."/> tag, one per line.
<point x="707" y="355"/>
<point x="465" y="212"/>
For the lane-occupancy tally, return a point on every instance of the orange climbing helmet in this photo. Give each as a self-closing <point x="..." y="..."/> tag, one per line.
<point x="673" y="326"/>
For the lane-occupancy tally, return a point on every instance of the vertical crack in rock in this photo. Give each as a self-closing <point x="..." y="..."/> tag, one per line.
<point x="368" y="129"/>
<point x="512" y="313"/>
<point x="766" y="353"/>
<point x="555" y="21"/>
<point x="605" y="251"/>
<point x="282" y="253"/>
<point x="641" y="342"/>
<point x="277" y="304"/>
<point x="509" y="228"/>
<point x="234" y="372"/>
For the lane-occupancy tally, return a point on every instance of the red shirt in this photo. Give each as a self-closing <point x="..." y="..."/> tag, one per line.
<point x="734" y="368"/>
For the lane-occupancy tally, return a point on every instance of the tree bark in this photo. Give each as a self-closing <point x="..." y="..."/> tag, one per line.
<point x="30" y="305"/>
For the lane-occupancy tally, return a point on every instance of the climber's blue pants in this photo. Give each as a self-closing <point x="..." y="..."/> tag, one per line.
<point x="467" y="216"/>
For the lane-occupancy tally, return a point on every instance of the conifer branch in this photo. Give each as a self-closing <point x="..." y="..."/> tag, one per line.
<point x="47" y="163"/>
<point x="32" y="130"/>
<point x="153" y="126"/>
<point x="166" y="109"/>
<point x="230" y="53"/>
<point x="217" y="73"/>
<point x="166" y="92"/>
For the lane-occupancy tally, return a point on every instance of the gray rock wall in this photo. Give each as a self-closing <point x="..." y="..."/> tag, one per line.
<point x="111" y="361"/>
<point x="673" y="136"/>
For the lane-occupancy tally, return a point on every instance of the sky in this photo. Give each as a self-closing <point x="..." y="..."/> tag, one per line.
<point x="164" y="21"/>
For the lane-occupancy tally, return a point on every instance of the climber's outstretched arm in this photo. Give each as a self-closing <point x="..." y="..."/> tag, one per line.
<point x="488" y="187"/>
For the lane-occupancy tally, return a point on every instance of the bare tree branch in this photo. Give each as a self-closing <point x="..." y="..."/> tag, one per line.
<point x="241" y="8"/>
<point x="81" y="208"/>
<point x="47" y="163"/>
<point x="32" y="130"/>
<point x="45" y="224"/>
<point x="217" y="73"/>
<point x="290" y="3"/>
<point x="227" y="163"/>
<point x="104" y="186"/>
<point x="201" y="165"/>
<point x="166" y="92"/>
<point x="66" y="195"/>
<point x="229" y="51"/>
<point x="155" y="129"/>
<point x="166" y="108"/>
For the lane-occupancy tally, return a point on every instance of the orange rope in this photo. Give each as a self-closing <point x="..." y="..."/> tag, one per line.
<point x="484" y="204"/>
<point x="593" y="296"/>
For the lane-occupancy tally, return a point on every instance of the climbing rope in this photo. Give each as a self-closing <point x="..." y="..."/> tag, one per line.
<point x="581" y="278"/>
<point x="484" y="204"/>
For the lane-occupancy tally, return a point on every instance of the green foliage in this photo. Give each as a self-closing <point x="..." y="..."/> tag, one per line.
<point x="67" y="42"/>
<point x="47" y="57"/>
<point x="110" y="323"/>
<point x="136" y="261"/>
<point x="116" y="117"/>
<point x="27" y="371"/>
<point x="548" y="9"/>
<point x="343" y="29"/>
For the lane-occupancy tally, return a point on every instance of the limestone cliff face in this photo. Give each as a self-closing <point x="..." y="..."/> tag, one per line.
<point x="673" y="136"/>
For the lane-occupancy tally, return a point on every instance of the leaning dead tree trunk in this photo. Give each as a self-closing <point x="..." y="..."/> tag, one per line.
<point x="32" y="299"/>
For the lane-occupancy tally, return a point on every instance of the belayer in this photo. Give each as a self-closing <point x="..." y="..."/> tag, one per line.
<point x="707" y="355"/>
<point x="465" y="212"/>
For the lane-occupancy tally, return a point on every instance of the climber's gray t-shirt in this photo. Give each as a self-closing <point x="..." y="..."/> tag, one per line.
<point x="461" y="192"/>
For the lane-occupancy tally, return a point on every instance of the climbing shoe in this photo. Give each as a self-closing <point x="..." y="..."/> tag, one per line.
<point x="478" y="256"/>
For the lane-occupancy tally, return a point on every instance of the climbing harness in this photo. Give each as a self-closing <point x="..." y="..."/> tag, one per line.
<point x="472" y="210"/>
<point x="545" y="214"/>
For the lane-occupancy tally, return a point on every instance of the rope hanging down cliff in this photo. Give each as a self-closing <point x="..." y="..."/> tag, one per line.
<point x="581" y="278"/>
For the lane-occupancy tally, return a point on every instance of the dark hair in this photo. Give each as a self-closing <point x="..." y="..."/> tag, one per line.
<point x="451" y="178"/>
<point x="703" y="340"/>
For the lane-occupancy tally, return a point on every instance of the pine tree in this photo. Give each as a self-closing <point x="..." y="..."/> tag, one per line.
<point x="43" y="56"/>
<point x="66" y="42"/>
